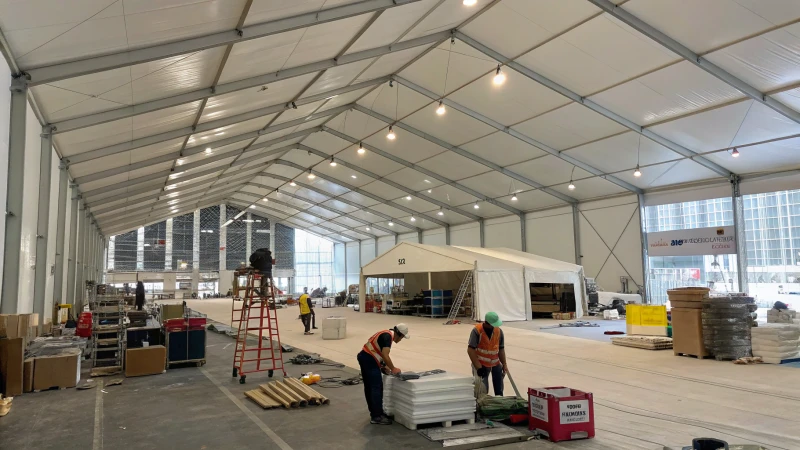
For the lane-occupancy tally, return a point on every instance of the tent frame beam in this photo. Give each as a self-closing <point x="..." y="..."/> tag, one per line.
<point x="56" y="72"/>
<point x="460" y="151"/>
<point x="681" y="50"/>
<point x="242" y="204"/>
<point x="514" y="133"/>
<point x="577" y="98"/>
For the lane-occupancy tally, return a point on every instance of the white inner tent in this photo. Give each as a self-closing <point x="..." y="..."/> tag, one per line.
<point x="501" y="276"/>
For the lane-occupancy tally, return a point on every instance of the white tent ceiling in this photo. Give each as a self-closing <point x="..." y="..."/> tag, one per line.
<point x="165" y="106"/>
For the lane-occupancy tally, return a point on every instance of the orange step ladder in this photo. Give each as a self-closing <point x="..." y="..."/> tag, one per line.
<point x="257" y="316"/>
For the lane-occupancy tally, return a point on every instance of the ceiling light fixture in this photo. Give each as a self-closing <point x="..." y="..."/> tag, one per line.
<point x="413" y="219"/>
<point x="637" y="173"/>
<point x="440" y="213"/>
<point x="252" y="206"/>
<point x="735" y="153"/>
<point x="361" y="149"/>
<point x="180" y="162"/>
<point x="208" y="150"/>
<point x="408" y="197"/>
<point x="441" y="110"/>
<point x="391" y="224"/>
<point x="333" y="162"/>
<point x="266" y="199"/>
<point x="499" y="77"/>
<point x="353" y="177"/>
<point x="311" y="175"/>
<point x="391" y="136"/>
<point x="292" y="183"/>
<point x="430" y="190"/>
<point x="220" y="133"/>
<point x="514" y="198"/>
<point x="367" y="228"/>
<point x="470" y="2"/>
<point x="571" y="185"/>
<point x="476" y="206"/>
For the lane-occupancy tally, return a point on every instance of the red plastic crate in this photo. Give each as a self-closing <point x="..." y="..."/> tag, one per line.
<point x="84" y="328"/>
<point x="561" y="413"/>
<point x="197" y="323"/>
<point x="178" y="324"/>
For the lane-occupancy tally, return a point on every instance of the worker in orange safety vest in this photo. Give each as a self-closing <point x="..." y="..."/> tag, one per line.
<point x="374" y="358"/>
<point x="486" y="350"/>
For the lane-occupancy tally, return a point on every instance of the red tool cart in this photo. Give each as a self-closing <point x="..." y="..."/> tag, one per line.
<point x="561" y="413"/>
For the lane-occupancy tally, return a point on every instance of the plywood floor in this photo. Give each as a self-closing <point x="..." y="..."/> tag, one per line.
<point x="643" y="399"/>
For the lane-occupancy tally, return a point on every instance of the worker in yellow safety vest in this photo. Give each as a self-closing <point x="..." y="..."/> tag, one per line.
<point x="486" y="350"/>
<point x="374" y="358"/>
<point x="305" y="312"/>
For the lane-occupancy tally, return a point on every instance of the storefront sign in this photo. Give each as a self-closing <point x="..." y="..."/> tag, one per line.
<point x="698" y="241"/>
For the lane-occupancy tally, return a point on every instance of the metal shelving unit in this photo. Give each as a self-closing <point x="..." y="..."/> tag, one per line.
<point x="108" y="330"/>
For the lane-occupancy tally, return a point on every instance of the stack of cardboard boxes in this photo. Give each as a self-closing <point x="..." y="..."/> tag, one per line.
<point x="687" y="320"/>
<point x="334" y="328"/>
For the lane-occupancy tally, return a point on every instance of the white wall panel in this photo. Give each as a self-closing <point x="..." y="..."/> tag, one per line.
<point x="466" y="235"/>
<point x="353" y="263"/>
<point x="434" y="237"/>
<point x="51" y="238"/>
<point x="550" y="234"/>
<point x="5" y="109"/>
<point x="367" y="251"/>
<point x="339" y="276"/>
<point x="610" y="241"/>
<point x="29" y="213"/>
<point x="503" y="232"/>
<point x="385" y="244"/>
<point x="408" y="237"/>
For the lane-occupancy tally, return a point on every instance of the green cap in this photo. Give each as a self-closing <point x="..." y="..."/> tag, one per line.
<point x="493" y="319"/>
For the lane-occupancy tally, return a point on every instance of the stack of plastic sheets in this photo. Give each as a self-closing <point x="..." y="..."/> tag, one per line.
<point x="440" y="398"/>
<point x="775" y="342"/>
<point x="726" y="326"/>
<point x="387" y="394"/>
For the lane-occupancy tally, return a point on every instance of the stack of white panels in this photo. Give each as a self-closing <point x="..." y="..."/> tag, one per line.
<point x="387" y="394"/>
<point x="433" y="399"/>
<point x="775" y="342"/>
<point x="334" y="328"/>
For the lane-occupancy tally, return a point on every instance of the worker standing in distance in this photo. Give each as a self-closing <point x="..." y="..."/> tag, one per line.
<point x="305" y="312"/>
<point x="374" y="358"/>
<point x="486" y="350"/>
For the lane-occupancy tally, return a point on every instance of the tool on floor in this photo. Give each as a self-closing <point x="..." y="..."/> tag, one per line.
<point x="514" y="385"/>
<point x="462" y="292"/>
<point x="256" y="315"/>
<point x="578" y="324"/>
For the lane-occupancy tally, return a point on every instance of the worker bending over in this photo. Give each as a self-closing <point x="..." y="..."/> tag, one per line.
<point x="373" y="359"/>
<point x="486" y="350"/>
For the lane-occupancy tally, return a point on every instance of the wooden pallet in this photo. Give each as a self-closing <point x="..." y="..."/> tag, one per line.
<point x="644" y="342"/>
<point x="694" y="356"/>
<point x="445" y="424"/>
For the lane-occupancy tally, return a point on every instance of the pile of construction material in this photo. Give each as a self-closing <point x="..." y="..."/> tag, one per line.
<point x="388" y="382"/>
<point x="776" y="342"/>
<point x="290" y="393"/>
<point x="727" y="322"/>
<point x="334" y="328"/>
<point x="644" y="342"/>
<point x="776" y="315"/>
<point x="439" y="398"/>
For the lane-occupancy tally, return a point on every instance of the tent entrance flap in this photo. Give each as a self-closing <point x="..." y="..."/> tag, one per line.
<point x="548" y="298"/>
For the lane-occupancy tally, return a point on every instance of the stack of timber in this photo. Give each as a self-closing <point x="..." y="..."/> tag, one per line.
<point x="644" y="342"/>
<point x="290" y="393"/>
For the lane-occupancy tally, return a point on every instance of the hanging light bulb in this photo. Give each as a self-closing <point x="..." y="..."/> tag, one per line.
<point x="391" y="136"/>
<point x="293" y="184"/>
<point x="333" y="162"/>
<point x="367" y="228"/>
<point x="391" y="224"/>
<point x="440" y="110"/>
<point x="499" y="77"/>
<point x="470" y="2"/>
<point x="413" y="219"/>
<point x="441" y="212"/>
<point x="637" y="173"/>
<point x="266" y="199"/>
<point x="476" y="206"/>
<point x="361" y="149"/>
<point x="430" y="190"/>
<point x="514" y="198"/>
<point x="408" y="197"/>
<point x="735" y="153"/>
<point x="311" y="175"/>
<point x="571" y="186"/>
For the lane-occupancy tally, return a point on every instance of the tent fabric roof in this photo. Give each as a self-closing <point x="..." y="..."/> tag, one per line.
<point x="421" y="258"/>
<point x="148" y="97"/>
<point x="526" y="259"/>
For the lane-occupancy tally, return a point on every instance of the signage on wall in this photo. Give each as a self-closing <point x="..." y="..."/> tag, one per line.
<point x="694" y="242"/>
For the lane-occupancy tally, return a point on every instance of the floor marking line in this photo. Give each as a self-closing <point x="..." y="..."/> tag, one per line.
<point x="267" y="430"/>
<point x="97" y="441"/>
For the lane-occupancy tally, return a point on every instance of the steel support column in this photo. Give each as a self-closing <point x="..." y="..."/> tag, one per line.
<point x="9" y="300"/>
<point x="376" y="247"/>
<point x="42" y="222"/>
<point x="447" y="235"/>
<point x="58" y="278"/>
<point x="482" y="233"/>
<point x="272" y="237"/>
<point x="419" y="237"/>
<point x="73" y="244"/>
<point x="223" y="237"/>
<point x="576" y="234"/>
<point x="523" y="227"/>
<point x="79" y="257"/>
<point x="741" y="238"/>
<point x="248" y="240"/>
<point x="645" y="289"/>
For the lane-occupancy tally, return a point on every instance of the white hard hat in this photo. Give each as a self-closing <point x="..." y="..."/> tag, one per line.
<point x="402" y="329"/>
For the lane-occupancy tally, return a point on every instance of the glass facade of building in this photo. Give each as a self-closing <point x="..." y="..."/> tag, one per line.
<point x="313" y="262"/>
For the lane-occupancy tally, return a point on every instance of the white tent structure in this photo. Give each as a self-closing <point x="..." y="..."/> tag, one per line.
<point x="539" y="269"/>
<point x="501" y="276"/>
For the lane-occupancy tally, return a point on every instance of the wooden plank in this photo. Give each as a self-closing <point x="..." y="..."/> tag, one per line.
<point x="303" y="387"/>
<point x="262" y="399"/>
<point x="280" y="398"/>
<point x="322" y="399"/>
<point x="288" y="393"/>
<point x="300" y="391"/>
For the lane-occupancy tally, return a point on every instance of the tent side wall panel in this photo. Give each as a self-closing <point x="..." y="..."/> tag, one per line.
<point x="504" y="232"/>
<point x="550" y="234"/>
<point x="466" y="235"/>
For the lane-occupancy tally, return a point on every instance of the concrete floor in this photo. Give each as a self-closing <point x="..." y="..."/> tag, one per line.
<point x="643" y="400"/>
<point x="593" y="333"/>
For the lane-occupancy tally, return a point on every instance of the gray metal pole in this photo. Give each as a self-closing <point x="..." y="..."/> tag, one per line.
<point x="58" y="278"/>
<point x="482" y="233"/>
<point x="15" y="186"/>
<point x="523" y="230"/>
<point x="576" y="233"/>
<point x="81" y="262"/>
<point x="447" y="235"/>
<point x="73" y="244"/>
<point x="43" y="222"/>
<point x="645" y="259"/>
<point x="741" y="238"/>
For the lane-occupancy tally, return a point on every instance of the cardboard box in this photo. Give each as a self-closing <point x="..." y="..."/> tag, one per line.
<point x="9" y="324"/>
<point x="145" y="361"/>
<point x="687" y="332"/>
<point x="171" y="311"/>
<point x="61" y="371"/>
<point x="12" y="352"/>
<point x="27" y="375"/>
<point x="686" y="305"/>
